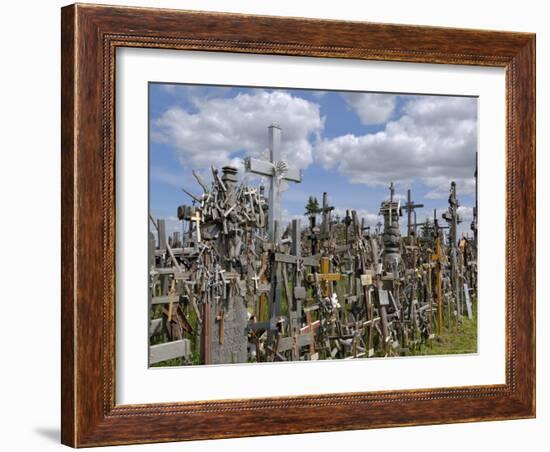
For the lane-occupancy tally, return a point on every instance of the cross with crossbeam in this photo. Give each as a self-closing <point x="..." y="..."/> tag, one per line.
<point x="197" y="219"/>
<point x="325" y="210"/>
<point x="276" y="170"/>
<point x="293" y="258"/>
<point x="297" y="337"/>
<point x="326" y="277"/>
<point x="410" y="207"/>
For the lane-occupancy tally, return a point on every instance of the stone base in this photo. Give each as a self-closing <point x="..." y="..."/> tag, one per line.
<point x="234" y="347"/>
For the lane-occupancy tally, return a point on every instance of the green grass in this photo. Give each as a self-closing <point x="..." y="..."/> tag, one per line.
<point x="459" y="338"/>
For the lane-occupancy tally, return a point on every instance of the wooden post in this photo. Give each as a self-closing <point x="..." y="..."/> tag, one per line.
<point x="206" y="331"/>
<point x="310" y="328"/>
<point x="220" y="318"/>
<point x="262" y="299"/>
<point x="162" y="233"/>
<point x="171" y="297"/>
<point x="437" y="257"/>
<point x="430" y="293"/>
<point x="324" y="270"/>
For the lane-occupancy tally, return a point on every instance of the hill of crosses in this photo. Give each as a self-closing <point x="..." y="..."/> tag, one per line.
<point x="236" y="285"/>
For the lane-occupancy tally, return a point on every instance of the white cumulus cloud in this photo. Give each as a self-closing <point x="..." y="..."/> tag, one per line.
<point x="220" y="127"/>
<point x="370" y="107"/>
<point x="435" y="140"/>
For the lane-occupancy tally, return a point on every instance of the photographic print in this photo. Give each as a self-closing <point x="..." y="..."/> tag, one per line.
<point x="298" y="222"/>
<point x="294" y="225"/>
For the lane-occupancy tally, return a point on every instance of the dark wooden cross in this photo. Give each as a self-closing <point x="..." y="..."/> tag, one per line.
<point x="280" y="279"/>
<point x="410" y="207"/>
<point x="294" y="297"/>
<point x="453" y="219"/>
<point x="437" y="258"/>
<point x="325" y="210"/>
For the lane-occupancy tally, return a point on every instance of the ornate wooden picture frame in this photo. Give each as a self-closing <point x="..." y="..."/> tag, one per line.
<point x="90" y="37"/>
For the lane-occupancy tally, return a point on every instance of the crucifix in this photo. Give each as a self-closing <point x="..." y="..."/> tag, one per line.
<point x="276" y="170"/>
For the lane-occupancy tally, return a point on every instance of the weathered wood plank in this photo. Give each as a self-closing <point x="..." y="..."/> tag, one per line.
<point x="177" y="251"/>
<point x="169" y="350"/>
<point x="286" y="343"/>
<point x="259" y="326"/>
<point x="285" y="258"/>
<point x="165" y="299"/>
<point x="155" y="327"/>
<point x="311" y="327"/>
<point x="467" y="299"/>
<point x="171" y="270"/>
<point x="290" y="259"/>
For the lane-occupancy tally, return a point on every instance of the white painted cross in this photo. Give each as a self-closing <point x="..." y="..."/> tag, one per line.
<point x="277" y="171"/>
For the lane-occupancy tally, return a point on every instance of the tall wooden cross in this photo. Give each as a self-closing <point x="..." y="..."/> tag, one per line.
<point x="473" y="226"/>
<point x="280" y="281"/>
<point x="276" y="171"/>
<point x="325" y="210"/>
<point x="294" y="298"/>
<point x="437" y="258"/>
<point x="392" y="193"/>
<point x="410" y="206"/>
<point x="294" y="258"/>
<point x="453" y="219"/>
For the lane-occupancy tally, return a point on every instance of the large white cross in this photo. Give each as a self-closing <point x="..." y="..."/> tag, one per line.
<point x="277" y="171"/>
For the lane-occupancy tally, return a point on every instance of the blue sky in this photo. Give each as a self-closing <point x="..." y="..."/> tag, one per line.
<point x="351" y="145"/>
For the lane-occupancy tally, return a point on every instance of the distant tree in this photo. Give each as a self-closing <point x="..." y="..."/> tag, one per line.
<point x="312" y="206"/>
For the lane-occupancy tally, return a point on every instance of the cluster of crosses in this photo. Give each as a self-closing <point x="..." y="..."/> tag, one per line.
<point x="233" y="286"/>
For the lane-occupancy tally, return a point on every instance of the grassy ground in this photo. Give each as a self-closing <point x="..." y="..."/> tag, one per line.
<point x="460" y="338"/>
